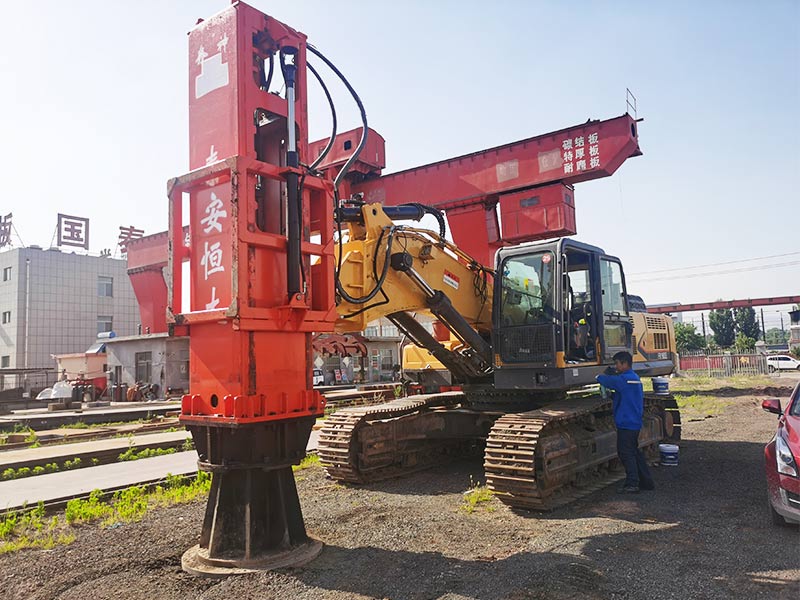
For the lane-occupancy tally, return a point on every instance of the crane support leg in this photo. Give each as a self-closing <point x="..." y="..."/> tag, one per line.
<point x="253" y="518"/>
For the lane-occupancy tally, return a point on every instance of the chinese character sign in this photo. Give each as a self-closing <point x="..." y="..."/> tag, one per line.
<point x="5" y="230"/>
<point x="580" y="153"/>
<point x="73" y="231"/>
<point x="211" y="248"/>
<point x="126" y="234"/>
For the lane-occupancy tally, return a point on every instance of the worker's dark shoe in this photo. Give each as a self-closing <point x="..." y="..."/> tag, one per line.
<point x="628" y="489"/>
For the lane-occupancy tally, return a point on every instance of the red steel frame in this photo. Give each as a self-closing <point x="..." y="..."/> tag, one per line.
<point x="250" y="344"/>
<point x="674" y="308"/>
<point x="531" y="181"/>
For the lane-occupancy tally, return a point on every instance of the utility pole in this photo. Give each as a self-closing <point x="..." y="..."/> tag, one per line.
<point x="703" y="323"/>
<point x="783" y="331"/>
<point x="763" y="329"/>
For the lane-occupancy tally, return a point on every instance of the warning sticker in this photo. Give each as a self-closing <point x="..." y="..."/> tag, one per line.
<point x="546" y="258"/>
<point x="451" y="280"/>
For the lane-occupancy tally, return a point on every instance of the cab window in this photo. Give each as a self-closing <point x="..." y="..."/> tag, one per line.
<point x="527" y="292"/>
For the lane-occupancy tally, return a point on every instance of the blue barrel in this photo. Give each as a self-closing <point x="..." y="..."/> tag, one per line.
<point x="669" y="455"/>
<point x="661" y="385"/>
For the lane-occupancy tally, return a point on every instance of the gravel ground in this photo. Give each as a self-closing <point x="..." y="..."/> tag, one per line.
<point x="704" y="533"/>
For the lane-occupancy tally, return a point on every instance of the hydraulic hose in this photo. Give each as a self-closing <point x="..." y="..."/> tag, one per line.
<point x="353" y="157"/>
<point x="327" y="149"/>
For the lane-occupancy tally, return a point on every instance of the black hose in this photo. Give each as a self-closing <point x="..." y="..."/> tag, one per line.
<point x="353" y="157"/>
<point x="267" y="81"/>
<point x="327" y="149"/>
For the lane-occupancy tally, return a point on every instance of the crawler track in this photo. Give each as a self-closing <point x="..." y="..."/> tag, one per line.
<point x="545" y="458"/>
<point x="539" y="459"/>
<point x="371" y="443"/>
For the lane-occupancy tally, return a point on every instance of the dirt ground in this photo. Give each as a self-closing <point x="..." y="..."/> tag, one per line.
<point x="704" y="533"/>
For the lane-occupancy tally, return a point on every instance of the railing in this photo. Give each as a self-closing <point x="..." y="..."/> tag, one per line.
<point x="723" y="365"/>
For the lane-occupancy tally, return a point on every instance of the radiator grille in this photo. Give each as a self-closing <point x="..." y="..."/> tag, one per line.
<point x="660" y="341"/>
<point x="655" y="323"/>
<point x="527" y="344"/>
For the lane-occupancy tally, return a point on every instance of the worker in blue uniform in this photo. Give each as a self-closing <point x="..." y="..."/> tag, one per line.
<point x="628" y="405"/>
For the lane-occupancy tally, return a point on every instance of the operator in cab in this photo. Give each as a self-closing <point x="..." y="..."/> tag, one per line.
<point x="628" y="405"/>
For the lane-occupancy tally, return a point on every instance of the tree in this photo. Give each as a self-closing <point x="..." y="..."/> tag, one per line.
<point x="746" y="322"/>
<point x="744" y="344"/>
<point x="776" y="336"/>
<point x="687" y="338"/>
<point x="721" y="321"/>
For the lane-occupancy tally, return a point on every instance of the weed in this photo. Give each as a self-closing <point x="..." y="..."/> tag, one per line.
<point x="132" y="454"/>
<point x="188" y="445"/>
<point x="696" y="405"/>
<point x="310" y="460"/>
<point x="476" y="496"/>
<point x="76" y="425"/>
<point x="75" y="463"/>
<point x="32" y="437"/>
<point x="91" y="509"/>
<point x="28" y="529"/>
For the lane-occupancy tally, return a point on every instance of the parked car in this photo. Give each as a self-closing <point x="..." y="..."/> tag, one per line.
<point x="317" y="378"/>
<point x="782" y="362"/>
<point x="782" y="455"/>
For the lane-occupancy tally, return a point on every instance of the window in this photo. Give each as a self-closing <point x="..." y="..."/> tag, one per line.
<point x="104" y="324"/>
<point x="7" y="274"/>
<point x="527" y="297"/>
<point x="613" y="291"/>
<point x="144" y="366"/>
<point x="5" y="362"/>
<point x="7" y="317"/>
<point x="105" y="286"/>
<point x="387" y="359"/>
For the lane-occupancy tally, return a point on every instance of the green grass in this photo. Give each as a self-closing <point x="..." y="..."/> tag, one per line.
<point x="29" y="528"/>
<point x="703" y="383"/>
<point x="10" y="473"/>
<point x="133" y="454"/>
<point x="476" y="497"/>
<point x="697" y="406"/>
<point x="310" y="460"/>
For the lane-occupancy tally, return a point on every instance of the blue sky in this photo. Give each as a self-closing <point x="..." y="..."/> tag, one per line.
<point x="93" y="114"/>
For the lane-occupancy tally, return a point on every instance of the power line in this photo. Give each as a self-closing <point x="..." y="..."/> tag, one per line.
<point x="719" y="264"/>
<point x="713" y="273"/>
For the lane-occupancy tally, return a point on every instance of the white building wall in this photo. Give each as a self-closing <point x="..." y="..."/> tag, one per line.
<point x="61" y="302"/>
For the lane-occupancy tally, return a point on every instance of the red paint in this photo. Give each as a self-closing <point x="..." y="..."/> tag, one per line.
<point x="249" y="343"/>
<point x="775" y="301"/>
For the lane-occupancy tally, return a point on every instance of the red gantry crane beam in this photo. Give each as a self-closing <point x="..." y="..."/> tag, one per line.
<point x="531" y="180"/>
<point x="673" y="308"/>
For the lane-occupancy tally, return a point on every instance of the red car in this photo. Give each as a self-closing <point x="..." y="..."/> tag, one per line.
<point x="783" y="456"/>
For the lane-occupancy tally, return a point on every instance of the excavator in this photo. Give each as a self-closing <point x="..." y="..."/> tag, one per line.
<point x="273" y="239"/>
<point x="525" y="339"/>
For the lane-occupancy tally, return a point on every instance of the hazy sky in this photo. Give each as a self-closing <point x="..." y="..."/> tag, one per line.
<point x="93" y="115"/>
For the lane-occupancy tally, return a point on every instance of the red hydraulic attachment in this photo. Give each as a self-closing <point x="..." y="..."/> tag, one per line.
<point x="252" y="298"/>
<point x="530" y="180"/>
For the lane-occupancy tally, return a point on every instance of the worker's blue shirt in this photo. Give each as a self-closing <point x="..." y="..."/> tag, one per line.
<point x="628" y="398"/>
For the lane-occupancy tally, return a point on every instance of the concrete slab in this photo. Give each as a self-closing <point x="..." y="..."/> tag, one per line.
<point x="56" y="489"/>
<point x="30" y="457"/>
<point x="38" y="419"/>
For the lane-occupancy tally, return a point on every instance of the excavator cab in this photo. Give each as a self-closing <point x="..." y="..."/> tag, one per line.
<point x="560" y="314"/>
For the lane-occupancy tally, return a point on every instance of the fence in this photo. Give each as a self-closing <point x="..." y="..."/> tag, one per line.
<point x="723" y="365"/>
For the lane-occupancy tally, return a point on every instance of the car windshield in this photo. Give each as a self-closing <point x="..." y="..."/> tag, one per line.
<point x="528" y="293"/>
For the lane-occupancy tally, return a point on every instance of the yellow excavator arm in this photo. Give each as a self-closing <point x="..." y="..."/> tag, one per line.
<point x="394" y="271"/>
<point x="369" y="266"/>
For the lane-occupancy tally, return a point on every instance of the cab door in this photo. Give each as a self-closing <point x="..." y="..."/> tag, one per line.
<point x="616" y="322"/>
